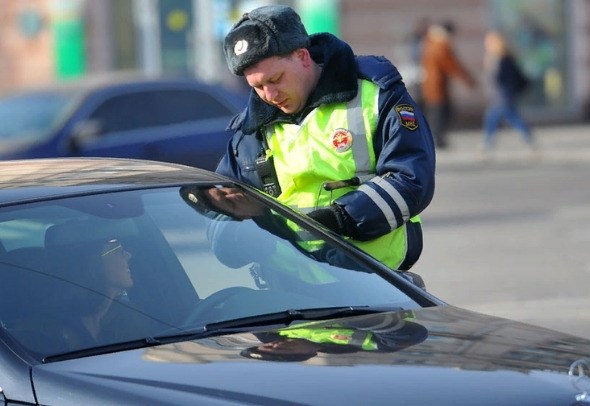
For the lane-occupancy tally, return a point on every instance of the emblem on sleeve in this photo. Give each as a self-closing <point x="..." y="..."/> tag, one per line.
<point x="341" y="140"/>
<point x="407" y="117"/>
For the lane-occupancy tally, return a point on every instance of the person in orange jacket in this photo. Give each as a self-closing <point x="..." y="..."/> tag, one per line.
<point x="439" y="65"/>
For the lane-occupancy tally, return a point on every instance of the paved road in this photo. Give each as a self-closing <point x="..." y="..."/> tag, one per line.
<point x="511" y="236"/>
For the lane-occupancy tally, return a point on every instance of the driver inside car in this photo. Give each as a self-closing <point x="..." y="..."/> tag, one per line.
<point x="100" y="297"/>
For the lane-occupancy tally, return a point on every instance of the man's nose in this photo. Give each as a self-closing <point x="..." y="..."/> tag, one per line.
<point x="270" y="93"/>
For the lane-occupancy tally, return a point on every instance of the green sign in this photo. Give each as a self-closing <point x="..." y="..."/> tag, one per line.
<point x="320" y="16"/>
<point x="69" y="41"/>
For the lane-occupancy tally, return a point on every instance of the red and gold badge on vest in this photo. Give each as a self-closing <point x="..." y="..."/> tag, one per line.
<point x="407" y="117"/>
<point x="341" y="140"/>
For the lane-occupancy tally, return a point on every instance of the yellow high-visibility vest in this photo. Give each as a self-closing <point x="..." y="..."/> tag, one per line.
<point x="333" y="143"/>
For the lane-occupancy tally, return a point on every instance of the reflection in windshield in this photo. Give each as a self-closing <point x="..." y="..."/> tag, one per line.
<point x="456" y="338"/>
<point x="385" y="332"/>
<point x="29" y="117"/>
<point x="132" y="265"/>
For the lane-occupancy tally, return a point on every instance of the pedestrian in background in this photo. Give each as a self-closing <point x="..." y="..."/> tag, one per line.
<point x="505" y="83"/>
<point x="330" y="133"/>
<point x="416" y="41"/>
<point x="439" y="65"/>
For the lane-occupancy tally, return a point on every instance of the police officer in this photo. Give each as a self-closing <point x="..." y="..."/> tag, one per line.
<point x="332" y="134"/>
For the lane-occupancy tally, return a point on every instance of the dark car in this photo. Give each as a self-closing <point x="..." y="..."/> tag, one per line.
<point x="131" y="282"/>
<point x="173" y="120"/>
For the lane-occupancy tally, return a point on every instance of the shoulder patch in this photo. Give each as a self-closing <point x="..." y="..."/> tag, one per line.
<point x="406" y="115"/>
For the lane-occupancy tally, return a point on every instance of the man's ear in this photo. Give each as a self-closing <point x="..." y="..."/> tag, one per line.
<point x="304" y="56"/>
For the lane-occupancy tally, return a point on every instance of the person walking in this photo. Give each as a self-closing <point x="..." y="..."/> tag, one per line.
<point x="330" y="133"/>
<point x="416" y="42"/>
<point x="439" y="65"/>
<point x="506" y="82"/>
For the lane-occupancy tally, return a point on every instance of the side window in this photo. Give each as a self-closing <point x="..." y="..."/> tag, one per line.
<point x="22" y="233"/>
<point x="156" y="108"/>
<point x="178" y="106"/>
<point x="125" y="112"/>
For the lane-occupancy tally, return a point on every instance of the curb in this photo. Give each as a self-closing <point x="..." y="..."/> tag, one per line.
<point x="557" y="144"/>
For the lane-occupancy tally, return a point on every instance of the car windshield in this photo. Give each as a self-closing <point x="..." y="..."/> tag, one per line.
<point x="96" y="270"/>
<point x="30" y="116"/>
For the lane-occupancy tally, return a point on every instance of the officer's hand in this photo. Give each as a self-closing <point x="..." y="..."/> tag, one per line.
<point x="333" y="217"/>
<point x="233" y="201"/>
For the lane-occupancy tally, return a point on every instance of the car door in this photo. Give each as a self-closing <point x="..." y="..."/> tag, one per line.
<point x="180" y="125"/>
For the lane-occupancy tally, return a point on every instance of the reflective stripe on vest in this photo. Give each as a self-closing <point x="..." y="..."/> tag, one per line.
<point x="335" y="142"/>
<point x="361" y="144"/>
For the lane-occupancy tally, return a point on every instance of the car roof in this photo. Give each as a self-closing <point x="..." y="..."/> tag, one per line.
<point x="108" y="78"/>
<point x="37" y="179"/>
<point x="123" y="79"/>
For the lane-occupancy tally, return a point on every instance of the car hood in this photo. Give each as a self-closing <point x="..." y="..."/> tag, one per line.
<point x="448" y="356"/>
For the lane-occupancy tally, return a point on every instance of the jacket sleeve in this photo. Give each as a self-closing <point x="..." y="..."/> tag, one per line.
<point x="239" y="159"/>
<point x="405" y="170"/>
<point x="228" y="164"/>
<point x="452" y="66"/>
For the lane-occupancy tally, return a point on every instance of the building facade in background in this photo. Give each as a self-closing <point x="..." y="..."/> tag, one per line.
<point x="550" y="39"/>
<point x="42" y="41"/>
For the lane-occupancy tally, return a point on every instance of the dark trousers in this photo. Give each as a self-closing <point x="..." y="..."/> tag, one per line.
<point x="439" y="118"/>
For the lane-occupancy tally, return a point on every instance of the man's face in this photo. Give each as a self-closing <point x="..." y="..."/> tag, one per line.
<point x="284" y="82"/>
<point x="116" y="265"/>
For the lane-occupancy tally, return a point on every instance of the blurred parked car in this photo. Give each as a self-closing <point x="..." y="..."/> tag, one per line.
<point x="128" y="282"/>
<point x="172" y="120"/>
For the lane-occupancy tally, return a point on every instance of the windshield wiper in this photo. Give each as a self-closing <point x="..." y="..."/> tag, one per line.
<point x="104" y="349"/>
<point x="286" y="317"/>
<point x="233" y="326"/>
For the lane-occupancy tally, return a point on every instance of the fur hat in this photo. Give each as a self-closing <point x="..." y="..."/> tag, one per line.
<point x="263" y="32"/>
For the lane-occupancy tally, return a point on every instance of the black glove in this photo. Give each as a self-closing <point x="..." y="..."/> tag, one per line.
<point x="333" y="217"/>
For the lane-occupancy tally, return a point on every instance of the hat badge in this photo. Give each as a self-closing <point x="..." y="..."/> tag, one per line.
<point x="240" y="47"/>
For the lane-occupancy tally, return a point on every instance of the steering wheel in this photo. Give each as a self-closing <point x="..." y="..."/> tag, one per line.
<point x="213" y="302"/>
